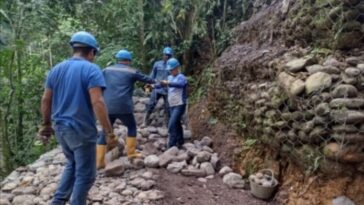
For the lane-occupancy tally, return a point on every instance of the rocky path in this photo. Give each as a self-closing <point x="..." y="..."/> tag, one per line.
<point x="192" y="175"/>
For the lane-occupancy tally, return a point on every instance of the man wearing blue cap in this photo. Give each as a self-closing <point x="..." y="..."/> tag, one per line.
<point x="73" y="93"/>
<point x="120" y="79"/>
<point x="159" y="73"/>
<point x="177" y="99"/>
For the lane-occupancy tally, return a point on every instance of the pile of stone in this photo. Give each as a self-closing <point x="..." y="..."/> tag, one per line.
<point x="313" y="105"/>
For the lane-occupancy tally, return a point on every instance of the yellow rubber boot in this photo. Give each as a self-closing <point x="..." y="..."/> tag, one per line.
<point x="131" y="143"/>
<point x="100" y="156"/>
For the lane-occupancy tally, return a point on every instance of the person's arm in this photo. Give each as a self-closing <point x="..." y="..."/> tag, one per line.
<point x="181" y="83"/>
<point x="46" y="107"/>
<point x="99" y="107"/>
<point x="143" y="78"/>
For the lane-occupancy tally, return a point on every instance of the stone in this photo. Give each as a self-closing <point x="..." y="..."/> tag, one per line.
<point x="297" y="65"/>
<point x="203" y="157"/>
<point x="203" y="180"/>
<point x="120" y="187"/>
<point x="319" y="68"/>
<point x="4" y="202"/>
<point x="24" y="190"/>
<point x="234" y="180"/>
<point x="332" y="61"/>
<point x="342" y="200"/>
<point x="162" y="131"/>
<point x="172" y="151"/>
<point x="49" y="189"/>
<point x="345" y="91"/>
<point x="142" y="184"/>
<point x="347" y="116"/>
<point x="345" y="129"/>
<point x="206" y="141"/>
<point x="318" y="82"/>
<point x="153" y="137"/>
<point x="354" y="60"/>
<point x="176" y="167"/>
<point x="349" y="137"/>
<point x="225" y="170"/>
<point x="9" y="187"/>
<point x="195" y="172"/>
<point x="182" y="157"/>
<point x="322" y="109"/>
<point x="353" y="103"/>
<point x="144" y="132"/>
<point x="150" y="195"/>
<point x="115" y="168"/>
<point x="151" y="161"/>
<point x="348" y="80"/>
<point x="215" y="161"/>
<point x="290" y="84"/>
<point x="112" y="155"/>
<point x="165" y="159"/>
<point x="139" y="107"/>
<point x="153" y="130"/>
<point x="344" y="153"/>
<point x="352" y="72"/>
<point x="187" y="134"/>
<point x="297" y="87"/>
<point x="24" y="199"/>
<point x="207" y="166"/>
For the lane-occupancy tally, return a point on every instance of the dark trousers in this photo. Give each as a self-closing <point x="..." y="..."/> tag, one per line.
<point x="154" y="98"/>
<point x="175" y="129"/>
<point x="127" y="119"/>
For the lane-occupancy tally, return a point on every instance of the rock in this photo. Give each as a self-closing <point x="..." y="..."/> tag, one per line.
<point x="165" y="159"/>
<point x="162" y="131"/>
<point x="24" y="199"/>
<point x="120" y="187"/>
<point x="203" y="157"/>
<point x="151" y="161"/>
<point x="342" y="200"/>
<point x="348" y="137"/>
<point x="193" y="172"/>
<point x="290" y="84"/>
<point x="115" y="168"/>
<point x="354" y="60"/>
<point x="345" y="129"/>
<point x="318" y="82"/>
<point x="319" y="68"/>
<point x="209" y="169"/>
<point x="331" y="61"/>
<point x="25" y="190"/>
<point x="298" y="64"/>
<point x="176" y="167"/>
<point x="215" y="161"/>
<point x="112" y="155"/>
<point x="144" y="132"/>
<point x="206" y="141"/>
<point x="9" y="187"/>
<point x="172" y="151"/>
<point x="345" y="91"/>
<point x="49" y="189"/>
<point x="225" y="170"/>
<point x="154" y="137"/>
<point x="150" y="195"/>
<point x="152" y="130"/>
<point x="348" y="80"/>
<point x="4" y="202"/>
<point x="192" y="150"/>
<point x="182" y="157"/>
<point x="322" y="109"/>
<point x="344" y="153"/>
<point x="187" y="134"/>
<point x="352" y="72"/>
<point x="139" y="107"/>
<point x="347" y="116"/>
<point x="142" y="184"/>
<point x="234" y="180"/>
<point x="203" y="180"/>
<point x="361" y="67"/>
<point x="354" y="103"/>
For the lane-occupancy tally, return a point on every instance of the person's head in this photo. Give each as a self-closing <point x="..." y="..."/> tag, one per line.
<point x="85" y="45"/>
<point x="123" y="57"/>
<point x="167" y="53"/>
<point x="173" y="66"/>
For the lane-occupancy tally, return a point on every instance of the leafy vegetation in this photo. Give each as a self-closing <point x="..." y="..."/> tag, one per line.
<point x="34" y="36"/>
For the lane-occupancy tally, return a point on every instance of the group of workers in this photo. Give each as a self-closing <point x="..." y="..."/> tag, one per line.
<point x="77" y="90"/>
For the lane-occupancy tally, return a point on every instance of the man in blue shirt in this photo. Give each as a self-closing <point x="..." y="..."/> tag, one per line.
<point x="159" y="73"/>
<point x="177" y="99"/>
<point x="120" y="79"/>
<point x="73" y="92"/>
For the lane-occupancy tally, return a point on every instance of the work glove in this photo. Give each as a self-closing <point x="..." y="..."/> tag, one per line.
<point x="148" y="89"/>
<point x="44" y="133"/>
<point x="111" y="141"/>
<point x="164" y="83"/>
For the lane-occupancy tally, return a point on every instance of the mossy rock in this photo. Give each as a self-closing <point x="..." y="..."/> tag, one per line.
<point x="351" y="26"/>
<point x="351" y="14"/>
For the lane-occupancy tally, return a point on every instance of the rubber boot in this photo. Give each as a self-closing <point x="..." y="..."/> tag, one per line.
<point x="100" y="156"/>
<point x="131" y="143"/>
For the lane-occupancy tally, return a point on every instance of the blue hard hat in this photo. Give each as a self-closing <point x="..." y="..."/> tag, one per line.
<point x="168" y="51"/>
<point x="123" y="55"/>
<point x="83" y="39"/>
<point x="172" y="64"/>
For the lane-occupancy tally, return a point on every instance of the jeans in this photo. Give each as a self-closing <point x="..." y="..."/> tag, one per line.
<point x="154" y="98"/>
<point x="80" y="171"/>
<point x="175" y="129"/>
<point x="127" y="119"/>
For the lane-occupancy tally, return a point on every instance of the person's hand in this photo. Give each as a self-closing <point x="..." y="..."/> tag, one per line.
<point x="164" y="83"/>
<point x="111" y="141"/>
<point x="148" y="88"/>
<point x="44" y="133"/>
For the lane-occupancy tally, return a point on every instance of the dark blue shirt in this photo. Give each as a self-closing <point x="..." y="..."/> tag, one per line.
<point x="120" y="81"/>
<point x="70" y="81"/>
<point x="160" y="72"/>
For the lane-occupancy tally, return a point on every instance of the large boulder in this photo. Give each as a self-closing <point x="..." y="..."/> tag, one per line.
<point x="298" y="64"/>
<point x="290" y="84"/>
<point x="318" y="82"/>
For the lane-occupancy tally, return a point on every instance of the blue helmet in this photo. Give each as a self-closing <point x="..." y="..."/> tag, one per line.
<point x="172" y="64"/>
<point x="83" y="39"/>
<point x="123" y="55"/>
<point x="168" y="51"/>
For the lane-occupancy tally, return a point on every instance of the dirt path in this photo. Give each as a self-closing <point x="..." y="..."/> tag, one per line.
<point x="190" y="191"/>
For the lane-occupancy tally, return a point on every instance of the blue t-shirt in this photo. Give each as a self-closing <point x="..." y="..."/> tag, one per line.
<point x="120" y="81"/>
<point x="160" y="72"/>
<point x="177" y="90"/>
<point x="70" y="82"/>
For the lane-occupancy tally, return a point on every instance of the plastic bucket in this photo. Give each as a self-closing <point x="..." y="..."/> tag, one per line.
<point x="260" y="191"/>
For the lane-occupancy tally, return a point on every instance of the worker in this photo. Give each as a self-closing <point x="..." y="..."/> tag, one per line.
<point x="73" y="94"/>
<point x="177" y="99"/>
<point x="120" y="79"/>
<point x="159" y="72"/>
